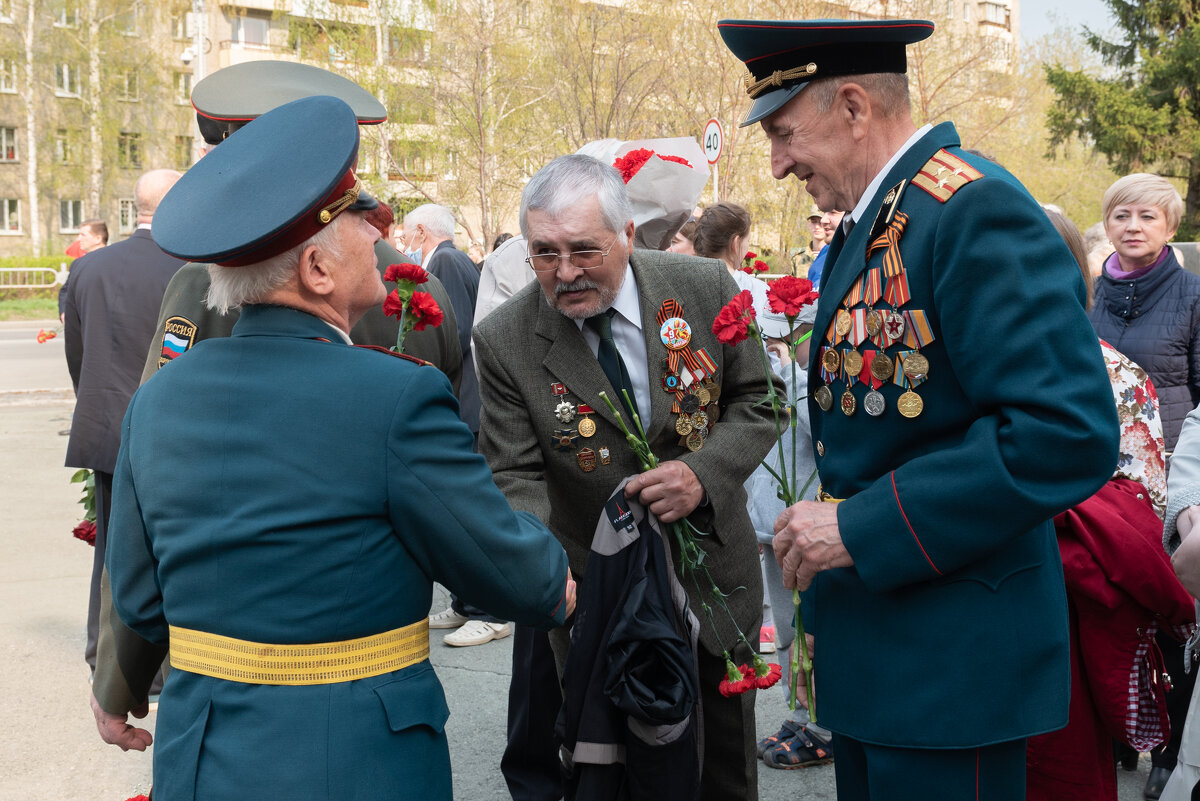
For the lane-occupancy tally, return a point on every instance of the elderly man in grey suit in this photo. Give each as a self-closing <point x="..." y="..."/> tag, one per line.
<point x="555" y="448"/>
<point x="108" y="322"/>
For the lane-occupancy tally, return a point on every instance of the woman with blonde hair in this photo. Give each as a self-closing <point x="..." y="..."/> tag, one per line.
<point x="1146" y="305"/>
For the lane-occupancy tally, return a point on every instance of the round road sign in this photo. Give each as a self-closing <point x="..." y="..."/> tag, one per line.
<point x="714" y="139"/>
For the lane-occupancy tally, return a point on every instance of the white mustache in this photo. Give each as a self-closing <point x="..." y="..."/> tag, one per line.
<point x="578" y="285"/>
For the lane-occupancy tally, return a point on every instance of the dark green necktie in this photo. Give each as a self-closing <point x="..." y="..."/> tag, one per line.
<point x="611" y="362"/>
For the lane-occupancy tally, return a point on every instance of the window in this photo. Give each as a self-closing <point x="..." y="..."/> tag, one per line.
<point x="6" y="11"/>
<point x="64" y="146"/>
<point x="126" y="21"/>
<point x="991" y="13"/>
<point x="183" y="87"/>
<point x="183" y="26"/>
<point x="8" y="144"/>
<point x="183" y="152"/>
<point x="252" y="30"/>
<point x="66" y="14"/>
<point x="129" y="148"/>
<point x="66" y="79"/>
<point x="8" y="75"/>
<point x="126" y="216"/>
<point x="128" y="89"/>
<point x="410" y="161"/>
<point x="70" y="215"/>
<point x="10" y="215"/>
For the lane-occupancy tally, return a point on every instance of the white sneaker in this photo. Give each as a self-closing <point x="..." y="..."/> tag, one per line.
<point x="447" y="619"/>
<point x="477" y="632"/>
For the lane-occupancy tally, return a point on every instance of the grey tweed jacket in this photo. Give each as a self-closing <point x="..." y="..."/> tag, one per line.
<point x="525" y="347"/>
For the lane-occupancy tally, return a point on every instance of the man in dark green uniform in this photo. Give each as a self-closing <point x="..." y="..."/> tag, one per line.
<point x="958" y="402"/>
<point x="224" y="101"/>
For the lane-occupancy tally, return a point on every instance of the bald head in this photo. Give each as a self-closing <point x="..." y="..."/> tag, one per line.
<point x="150" y="190"/>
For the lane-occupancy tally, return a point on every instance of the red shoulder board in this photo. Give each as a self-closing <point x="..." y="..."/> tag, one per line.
<point x="944" y="174"/>
<point x="389" y="352"/>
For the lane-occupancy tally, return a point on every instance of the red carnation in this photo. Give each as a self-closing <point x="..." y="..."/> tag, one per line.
<point x="425" y="311"/>
<point x="629" y="164"/>
<point x="44" y="336"/>
<point x="406" y="272"/>
<point x="393" y="306"/>
<point x="676" y="159"/>
<point x="760" y="266"/>
<point x="768" y="679"/>
<point x="737" y="680"/>
<point x="788" y="295"/>
<point x="733" y="321"/>
<point x="750" y="254"/>
<point x="86" y="531"/>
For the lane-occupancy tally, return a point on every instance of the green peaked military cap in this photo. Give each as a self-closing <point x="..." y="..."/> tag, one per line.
<point x="272" y="185"/>
<point x="233" y="96"/>
<point x="783" y="56"/>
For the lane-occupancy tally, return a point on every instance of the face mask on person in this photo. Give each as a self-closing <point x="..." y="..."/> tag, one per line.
<point x="414" y="252"/>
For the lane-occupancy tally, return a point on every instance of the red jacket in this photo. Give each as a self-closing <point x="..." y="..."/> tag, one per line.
<point x="1123" y="588"/>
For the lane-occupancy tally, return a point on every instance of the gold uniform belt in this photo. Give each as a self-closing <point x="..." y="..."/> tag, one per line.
<point x="825" y="497"/>
<point x="309" y="663"/>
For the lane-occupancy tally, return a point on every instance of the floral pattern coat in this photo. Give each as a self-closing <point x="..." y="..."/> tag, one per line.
<point x="1142" y="447"/>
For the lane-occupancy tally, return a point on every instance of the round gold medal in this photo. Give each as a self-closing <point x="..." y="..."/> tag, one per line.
<point x="683" y="426"/>
<point x="824" y="398"/>
<point x="916" y="365"/>
<point x="587" y="427"/>
<point x="882" y="367"/>
<point x="874" y="324"/>
<point x="714" y="411"/>
<point x="700" y="419"/>
<point x="910" y="404"/>
<point x="714" y="389"/>
<point x="848" y="402"/>
<point x="702" y="394"/>
<point x="694" y="441"/>
<point x="854" y="362"/>
<point x="843" y="323"/>
<point x="831" y="361"/>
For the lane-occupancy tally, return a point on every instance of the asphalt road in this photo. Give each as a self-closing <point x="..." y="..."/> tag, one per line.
<point x="49" y="747"/>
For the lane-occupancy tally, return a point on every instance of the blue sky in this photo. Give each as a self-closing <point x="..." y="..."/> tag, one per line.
<point x="1038" y="17"/>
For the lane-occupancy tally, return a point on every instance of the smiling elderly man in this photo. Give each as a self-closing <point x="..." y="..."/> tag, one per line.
<point x="959" y="401"/>
<point x="590" y="323"/>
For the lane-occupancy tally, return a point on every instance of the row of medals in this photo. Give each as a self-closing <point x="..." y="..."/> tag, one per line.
<point x="915" y="367"/>
<point x="698" y="411"/>
<point x="586" y="427"/>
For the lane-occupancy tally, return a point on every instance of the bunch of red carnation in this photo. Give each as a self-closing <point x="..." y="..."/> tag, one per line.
<point x="629" y="164"/>
<point x="752" y="264"/>
<point x="742" y="678"/>
<point x="416" y="310"/>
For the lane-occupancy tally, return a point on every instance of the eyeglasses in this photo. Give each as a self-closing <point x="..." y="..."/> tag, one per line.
<point x="583" y="259"/>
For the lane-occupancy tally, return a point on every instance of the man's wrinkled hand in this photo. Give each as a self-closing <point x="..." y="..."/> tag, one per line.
<point x="807" y="541"/>
<point x="671" y="491"/>
<point x="116" y="730"/>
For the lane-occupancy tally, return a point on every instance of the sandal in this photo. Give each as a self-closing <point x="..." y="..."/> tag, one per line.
<point x="802" y="749"/>
<point x="775" y="740"/>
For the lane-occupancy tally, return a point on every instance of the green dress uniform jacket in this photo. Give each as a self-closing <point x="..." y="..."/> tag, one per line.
<point x="248" y="503"/>
<point x="125" y="663"/>
<point x="525" y="348"/>
<point x="950" y="630"/>
<point x="185" y="299"/>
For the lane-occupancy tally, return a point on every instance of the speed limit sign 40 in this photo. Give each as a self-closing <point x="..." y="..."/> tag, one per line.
<point x="714" y="139"/>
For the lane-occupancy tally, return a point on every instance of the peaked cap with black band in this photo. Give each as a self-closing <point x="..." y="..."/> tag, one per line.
<point x="269" y="187"/>
<point x="231" y="97"/>
<point x="783" y="56"/>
